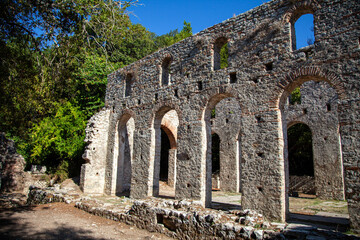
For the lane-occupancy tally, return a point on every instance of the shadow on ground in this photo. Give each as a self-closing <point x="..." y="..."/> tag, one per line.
<point x="14" y="227"/>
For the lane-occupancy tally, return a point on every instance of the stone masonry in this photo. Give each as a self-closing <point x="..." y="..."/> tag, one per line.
<point x="263" y="69"/>
<point x="12" y="164"/>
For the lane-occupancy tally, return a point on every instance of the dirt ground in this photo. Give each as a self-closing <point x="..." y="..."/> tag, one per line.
<point x="64" y="221"/>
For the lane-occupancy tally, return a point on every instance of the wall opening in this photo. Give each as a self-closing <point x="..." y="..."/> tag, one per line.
<point x="164" y="158"/>
<point x="301" y="163"/>
<point x="233" y="78"/>
<point x="165" y="71"/>
<point x="221" y="53"/>
<point x="163" y="162"/>
<point x="222" y="152"/>
<point x="215" y="153"/>
<point x="128" y="84"/>
<point x="302" y="31"/>
<point x="122" y="156"/>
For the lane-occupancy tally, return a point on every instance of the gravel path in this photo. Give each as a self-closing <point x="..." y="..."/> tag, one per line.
<point x="63" y="221"/>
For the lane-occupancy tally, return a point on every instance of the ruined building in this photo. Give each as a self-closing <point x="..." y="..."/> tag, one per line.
<point x="175" y="90"/>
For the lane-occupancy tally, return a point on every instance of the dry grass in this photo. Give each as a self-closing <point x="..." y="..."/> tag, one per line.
<point x="315" y="205"/>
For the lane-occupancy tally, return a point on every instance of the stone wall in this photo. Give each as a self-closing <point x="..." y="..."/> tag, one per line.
<point x="12" y="164"/>
<point x="184" y="219"/>
<point x="93" y="171"/>
<point x="263" y="70"/>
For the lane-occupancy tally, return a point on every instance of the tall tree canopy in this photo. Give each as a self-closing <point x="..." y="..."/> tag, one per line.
<point x="55" y="57"/>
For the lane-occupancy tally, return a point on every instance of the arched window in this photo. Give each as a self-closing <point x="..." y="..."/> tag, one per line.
<point x="128" y="83"/>
<point x="221" y="53"/>
<point x="302" y="31"/>
<point x="165" y="71"/>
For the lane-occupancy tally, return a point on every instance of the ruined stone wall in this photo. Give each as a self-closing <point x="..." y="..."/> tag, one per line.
<point x="92" y="179"/>
<point x="12" y="164"/>
<point x="318" y="109"/>
<point x="263" y="70"/>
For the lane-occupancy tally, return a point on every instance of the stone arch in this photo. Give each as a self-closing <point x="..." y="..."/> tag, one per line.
<point x="206" y="148"/>
<point x="300" y="8"/>
<point x="287" y="85"/>
<point x="154" y="169"/>
<point x="294" y="122"/>
<point x="169" y="130"/>
<point x="294" y="13"/>
<point x="159" y="110"/>
<point x="324" y="125"/>
<point x="295" y="78"/>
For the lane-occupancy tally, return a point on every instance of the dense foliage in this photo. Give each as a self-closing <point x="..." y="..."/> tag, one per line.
<point x="295" y="96"/>
<point x="224" y="55"/>
<point x="55" y="57"/>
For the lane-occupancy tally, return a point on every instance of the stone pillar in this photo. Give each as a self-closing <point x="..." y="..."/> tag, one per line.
<point x="327" y="163"/>
<point x="172" y="168"/>
<point x="263" y="165"/>
<point x="349" y="117"/>
<point x="92" y="177"/>
<point x="142" y="168"/>
<point x="191" y="162"/>
<point x="229" y="165"/>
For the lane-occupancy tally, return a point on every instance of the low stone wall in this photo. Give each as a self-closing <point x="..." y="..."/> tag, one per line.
<point x="12" y="175"/>
<point x="180" y="224"/>
<point x="43" y="196"/>
<point x="184" y="219"/>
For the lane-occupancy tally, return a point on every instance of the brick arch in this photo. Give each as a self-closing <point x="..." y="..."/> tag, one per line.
<point x="300" y="8"/>
<point x="218" y="36"/>
<point x="159" y="110"/>
<point x="164" y="56"/>
<point x="214" y="96"/>
<point x="294" y="79"/>
<point x="125" y="115"/>
<point x="294" y="122"/>
<point x="171" y="132"/>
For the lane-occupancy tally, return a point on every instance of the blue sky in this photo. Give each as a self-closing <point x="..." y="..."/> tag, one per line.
<point x="161" y="16"/>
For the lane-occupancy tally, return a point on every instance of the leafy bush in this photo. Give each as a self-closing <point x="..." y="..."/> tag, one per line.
<point x="295" y="97"/>
<point x="58" y="141"/>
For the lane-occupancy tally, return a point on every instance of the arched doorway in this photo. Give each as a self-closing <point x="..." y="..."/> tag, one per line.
<point x="221" y="127"/>
<point x="312" y="149"/>
<point x="163" y="164"/>
<point x="122" y="155"/>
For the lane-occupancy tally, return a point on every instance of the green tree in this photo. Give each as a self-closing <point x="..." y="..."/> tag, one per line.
<point x="173" y="36"/>
<point x="58" y="139"/>
<point x="224" y="55"/>
<point x="55" y="57"/>
<point x="295" y="96"/>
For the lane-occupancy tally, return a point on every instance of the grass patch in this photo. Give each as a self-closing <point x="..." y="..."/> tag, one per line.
<point x="313" y="206"/>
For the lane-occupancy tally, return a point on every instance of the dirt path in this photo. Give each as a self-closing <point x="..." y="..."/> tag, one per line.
<point x="63" y="221"/>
